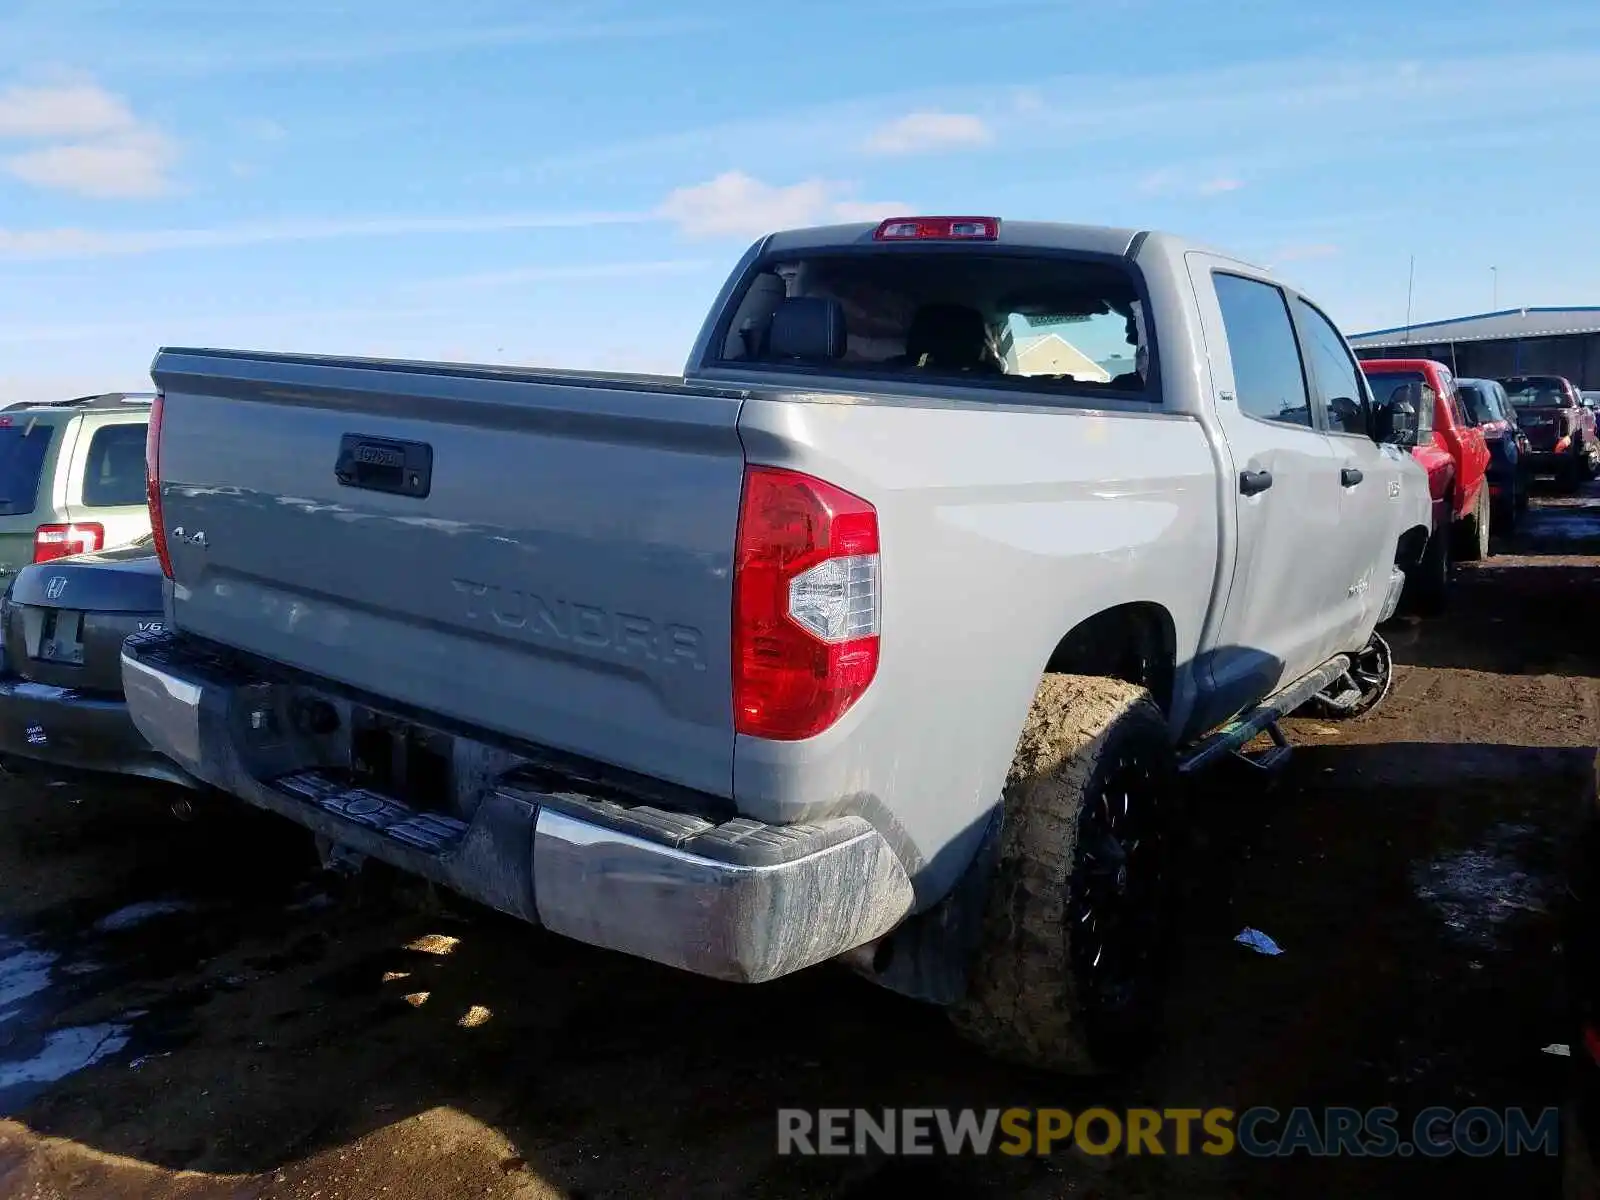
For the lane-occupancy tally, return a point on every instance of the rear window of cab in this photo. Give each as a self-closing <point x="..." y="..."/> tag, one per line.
<point x="1027" y="322"/>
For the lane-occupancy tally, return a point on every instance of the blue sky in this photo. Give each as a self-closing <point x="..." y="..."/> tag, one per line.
<point x="567" y="183"/>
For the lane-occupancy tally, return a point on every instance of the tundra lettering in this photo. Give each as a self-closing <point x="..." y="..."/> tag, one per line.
<point x="585" y="625"/>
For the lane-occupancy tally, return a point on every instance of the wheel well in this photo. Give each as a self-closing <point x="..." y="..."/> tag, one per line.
<point x="1408" y="553"/>
<point x="1132" y="642"/>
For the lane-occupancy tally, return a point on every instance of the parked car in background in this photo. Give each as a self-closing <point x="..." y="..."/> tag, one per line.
<point x="1489" y="408"/>
<point x="1560" y="429"/>
<point x="1418" y="408"/>
<point x="62" y="624"/>
<point x="71" y="477"/>
<point x="646" y="660"/>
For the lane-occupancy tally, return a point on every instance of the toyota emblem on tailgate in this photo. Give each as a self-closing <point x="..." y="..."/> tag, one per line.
<point x="57" y="585"/>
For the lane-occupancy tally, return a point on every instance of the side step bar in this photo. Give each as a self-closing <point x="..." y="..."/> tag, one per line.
<point x="1237" y="733"/>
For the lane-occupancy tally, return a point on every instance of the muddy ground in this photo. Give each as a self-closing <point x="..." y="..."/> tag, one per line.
<point x="193" y="1009"/>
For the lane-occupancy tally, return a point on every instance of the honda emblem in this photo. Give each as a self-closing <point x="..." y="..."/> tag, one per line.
<point x="57" y="585"/>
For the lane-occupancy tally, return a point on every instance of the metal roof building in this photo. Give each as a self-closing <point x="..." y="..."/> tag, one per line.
<point x="1514" y="341"/>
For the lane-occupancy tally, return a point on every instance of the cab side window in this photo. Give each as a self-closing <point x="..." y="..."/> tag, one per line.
<point x="1333" y="371"/>
<point x="1269" y="381"/>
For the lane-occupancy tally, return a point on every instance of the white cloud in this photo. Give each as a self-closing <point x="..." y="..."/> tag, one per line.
<point x="63" y="110"/>
<point x="127" y="165"/>
<point x="735" y="204"/>
<point x="1169" y="181"/>
<point x="1107" y="119"/>
<point x="94" y="145"/>
<point x="88" y="243"/>
<point x="920" y="132"/>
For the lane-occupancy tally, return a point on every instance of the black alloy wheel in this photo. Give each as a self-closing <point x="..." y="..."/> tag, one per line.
<point x="1118" y="904"/>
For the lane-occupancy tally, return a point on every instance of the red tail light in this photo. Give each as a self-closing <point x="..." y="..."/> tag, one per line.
<point x="806" y="604"/>
<point x="51" y="542"/>
<point x="152" y="482"/>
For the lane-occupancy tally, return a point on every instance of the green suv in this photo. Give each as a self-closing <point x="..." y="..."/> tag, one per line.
<point x="71" y="477"/>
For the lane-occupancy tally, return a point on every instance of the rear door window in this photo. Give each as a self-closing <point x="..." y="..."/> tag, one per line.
<point x="23" y="449"/>
<point x="1268" y="379"/>
<point x="113" y="476"/>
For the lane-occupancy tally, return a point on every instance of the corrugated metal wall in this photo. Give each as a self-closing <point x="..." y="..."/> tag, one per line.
<point x="1576" y="357"/>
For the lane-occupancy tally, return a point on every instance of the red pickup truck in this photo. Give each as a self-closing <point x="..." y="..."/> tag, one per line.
<point x="1417" y="398"/>
<point x="1560" y="427"/>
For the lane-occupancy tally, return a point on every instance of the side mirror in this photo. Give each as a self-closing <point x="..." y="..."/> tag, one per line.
<point x="1395" y="422"/>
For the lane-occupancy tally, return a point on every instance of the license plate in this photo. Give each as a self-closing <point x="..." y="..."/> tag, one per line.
<point x="61" y="640"/>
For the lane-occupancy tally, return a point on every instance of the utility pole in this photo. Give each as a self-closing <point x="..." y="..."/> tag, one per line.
<point x="1410" y="284"/>
<point x="1495" y="273"/>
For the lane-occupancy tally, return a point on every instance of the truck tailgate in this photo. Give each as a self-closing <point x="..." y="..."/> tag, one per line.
<point x="554" y="566"/>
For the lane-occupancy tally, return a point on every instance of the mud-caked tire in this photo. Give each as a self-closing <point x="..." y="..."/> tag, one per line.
<point x="1071" y="970"/>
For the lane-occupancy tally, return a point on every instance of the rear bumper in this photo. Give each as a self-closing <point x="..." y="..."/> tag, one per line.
<point x="1548" y="462"/>
<point x="734" y="899"/>
<point x="68" y="728"/>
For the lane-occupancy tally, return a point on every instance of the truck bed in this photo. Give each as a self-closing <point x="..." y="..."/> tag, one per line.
<point x="515" y="550"/>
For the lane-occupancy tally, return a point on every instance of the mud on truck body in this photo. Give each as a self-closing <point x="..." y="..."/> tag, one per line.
<point x="884" y="633"/>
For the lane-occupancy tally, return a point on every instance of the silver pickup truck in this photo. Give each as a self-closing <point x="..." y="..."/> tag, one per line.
<point x="885" y="633"/>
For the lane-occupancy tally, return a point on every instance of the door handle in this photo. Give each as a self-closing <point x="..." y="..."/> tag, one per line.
<point x="1350" y="476"/>
<point x="384" y="465"/>
<point x="1252" y="482"/>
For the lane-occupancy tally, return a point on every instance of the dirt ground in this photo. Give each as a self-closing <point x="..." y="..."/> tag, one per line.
<point x="195" y="1010"/>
